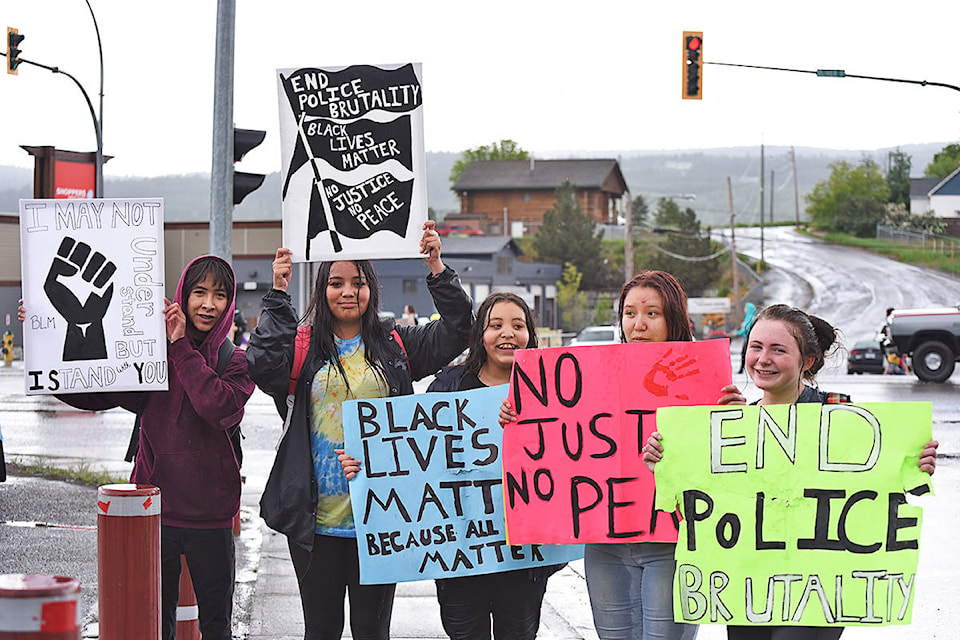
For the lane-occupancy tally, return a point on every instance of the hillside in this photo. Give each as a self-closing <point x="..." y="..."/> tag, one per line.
<point x="695" y="178"/>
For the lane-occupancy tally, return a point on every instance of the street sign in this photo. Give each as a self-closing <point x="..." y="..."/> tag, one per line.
<point x="831" y="73"/>
<point x="708" y="305"/>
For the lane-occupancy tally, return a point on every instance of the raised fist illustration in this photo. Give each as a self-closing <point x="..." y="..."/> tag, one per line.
<point x="79" y="287"/>
<point x="666" y="371"/>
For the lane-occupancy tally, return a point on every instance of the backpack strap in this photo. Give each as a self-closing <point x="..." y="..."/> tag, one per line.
<point x="301" y="345"/>
<point x="223" y="356"/>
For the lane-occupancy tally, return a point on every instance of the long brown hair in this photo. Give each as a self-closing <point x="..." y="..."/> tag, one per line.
<point x="674" y="302"/>
<point x="478" y="354"/>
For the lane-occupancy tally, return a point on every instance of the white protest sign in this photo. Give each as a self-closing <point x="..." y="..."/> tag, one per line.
<point x="93" y="291"/>
<point x="353" y="161"/>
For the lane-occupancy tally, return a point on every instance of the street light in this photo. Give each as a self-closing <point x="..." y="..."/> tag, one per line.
<point x="99" y="161"/>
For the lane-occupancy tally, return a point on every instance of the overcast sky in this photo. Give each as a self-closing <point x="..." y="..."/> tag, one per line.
<point x="556" y="75"/>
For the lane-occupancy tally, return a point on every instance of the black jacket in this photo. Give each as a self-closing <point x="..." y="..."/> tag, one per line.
<point x="289" y="500"/>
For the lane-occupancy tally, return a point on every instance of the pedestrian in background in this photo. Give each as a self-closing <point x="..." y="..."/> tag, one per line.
<point x="749" y="316"/>
<point x="409" y="317"/>
<point x="351" y="355"/>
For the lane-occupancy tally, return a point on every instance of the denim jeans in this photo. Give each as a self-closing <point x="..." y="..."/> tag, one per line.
<point x="210" y="555"/>
<point x="327" y="573"/>
<point x="631" y="591"/>
<point x="511" y="598"/>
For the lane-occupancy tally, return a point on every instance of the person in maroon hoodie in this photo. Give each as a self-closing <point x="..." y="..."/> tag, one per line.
<point x="185" y="447"/>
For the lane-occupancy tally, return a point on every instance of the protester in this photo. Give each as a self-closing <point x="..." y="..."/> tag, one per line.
<point x="786" y="349"/>
<point x="185" y="447"/>
<point x="511" y="600"/>
<point x="631" y="583"/>
<point x="351" y="355"/>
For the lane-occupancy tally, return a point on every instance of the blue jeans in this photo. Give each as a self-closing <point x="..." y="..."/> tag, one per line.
<point x="631" y="591"/>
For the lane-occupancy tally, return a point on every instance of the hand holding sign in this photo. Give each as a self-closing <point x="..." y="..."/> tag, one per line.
<point x="85" y="339"/>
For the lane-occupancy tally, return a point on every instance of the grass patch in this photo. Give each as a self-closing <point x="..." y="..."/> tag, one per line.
<point x="81" y="473"/>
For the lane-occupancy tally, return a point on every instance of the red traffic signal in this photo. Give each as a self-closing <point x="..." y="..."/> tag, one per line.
<point x="692" y="78"/>
<point x="13" y="50"/>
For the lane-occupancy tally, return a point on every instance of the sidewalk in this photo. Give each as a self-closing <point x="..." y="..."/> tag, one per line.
<point x="276" y="613"/>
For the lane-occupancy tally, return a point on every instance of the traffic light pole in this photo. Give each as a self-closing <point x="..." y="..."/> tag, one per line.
<point x="838" y="73"/>
<point x="221" y="174"/>
<point x="96" y="122"/>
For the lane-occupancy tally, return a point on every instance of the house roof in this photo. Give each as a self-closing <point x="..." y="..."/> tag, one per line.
<point x="535" y="174"/>
<point x="474" y="245"/>
<point x="920" y="187"/>
<point x="949" y="186"/>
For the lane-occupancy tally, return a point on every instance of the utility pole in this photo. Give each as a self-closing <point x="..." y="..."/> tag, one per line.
<point x="761" y="207"/>
<point x="796" y="187"/>
<point x="772" y="189"/>
<point x="733" y="255"/>
<point x="628" y="241"/>
<point x="221" y="173"/>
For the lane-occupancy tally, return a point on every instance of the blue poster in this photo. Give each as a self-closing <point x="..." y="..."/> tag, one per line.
<point x="428" y="501"/>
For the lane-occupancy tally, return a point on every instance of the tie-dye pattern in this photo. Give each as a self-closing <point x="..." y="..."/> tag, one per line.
<point x="328" y="392"/>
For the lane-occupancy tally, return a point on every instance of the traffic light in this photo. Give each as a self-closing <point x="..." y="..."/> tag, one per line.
<point x="245" y="183"/>
<point x="13" y="50"/>
<point x="692" y="77"/>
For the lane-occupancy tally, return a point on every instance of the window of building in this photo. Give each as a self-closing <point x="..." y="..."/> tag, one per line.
<point x="409" y="286"/>
<point x="526" y="197"/>
<point x="504" y="264"/>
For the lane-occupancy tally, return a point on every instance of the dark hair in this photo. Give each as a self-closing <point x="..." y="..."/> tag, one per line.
<point x="318" y="316"/>
<point x="478" y="354"/>
<point x="209" y="265"/>
<point x="674" y="303"/>
<point x="815" y="336"/>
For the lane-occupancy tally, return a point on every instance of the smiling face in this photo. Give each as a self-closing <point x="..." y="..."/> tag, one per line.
<point x="205" y="304"/>
<point x="642" y="317"/>
<point x="348" y="295"/>
<point x="774" y="362"/>
<point x="506" y="331"/>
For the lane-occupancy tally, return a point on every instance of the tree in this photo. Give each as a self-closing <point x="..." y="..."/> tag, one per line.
<point x="685" y="252"/>
<point x="898" y="177"/>
<point x="503" y="150"/>
<point x="851" y="200"/>
<point x="638" y="212"/>
<point x="570" y="299"/>
<point x="569" y="235"/>
<point x="944" y="162"/>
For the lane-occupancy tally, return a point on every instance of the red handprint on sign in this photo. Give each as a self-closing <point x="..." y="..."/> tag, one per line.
<point x="663" y="372"/>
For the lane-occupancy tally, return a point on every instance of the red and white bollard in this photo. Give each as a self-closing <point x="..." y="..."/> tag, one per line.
<point x="39" y="607"/>
<point x="188" y="613"/>
<point x="128" y="561"/>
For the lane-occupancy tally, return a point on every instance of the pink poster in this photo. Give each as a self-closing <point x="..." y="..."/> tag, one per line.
<point x="572" y="466"/>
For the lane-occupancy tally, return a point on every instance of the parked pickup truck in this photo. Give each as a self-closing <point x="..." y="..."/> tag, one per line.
<point x="931" y="337"/>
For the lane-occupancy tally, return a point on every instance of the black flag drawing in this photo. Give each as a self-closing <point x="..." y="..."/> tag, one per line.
<point x="342" y="124"/>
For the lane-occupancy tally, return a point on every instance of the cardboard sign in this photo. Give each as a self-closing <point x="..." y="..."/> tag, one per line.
<point x="573" y="470"/>
<point x="93" y="291"/>
<point x="428" y="501"/>
<point x="795" y="514"/>
<point x="354" y="167"/>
